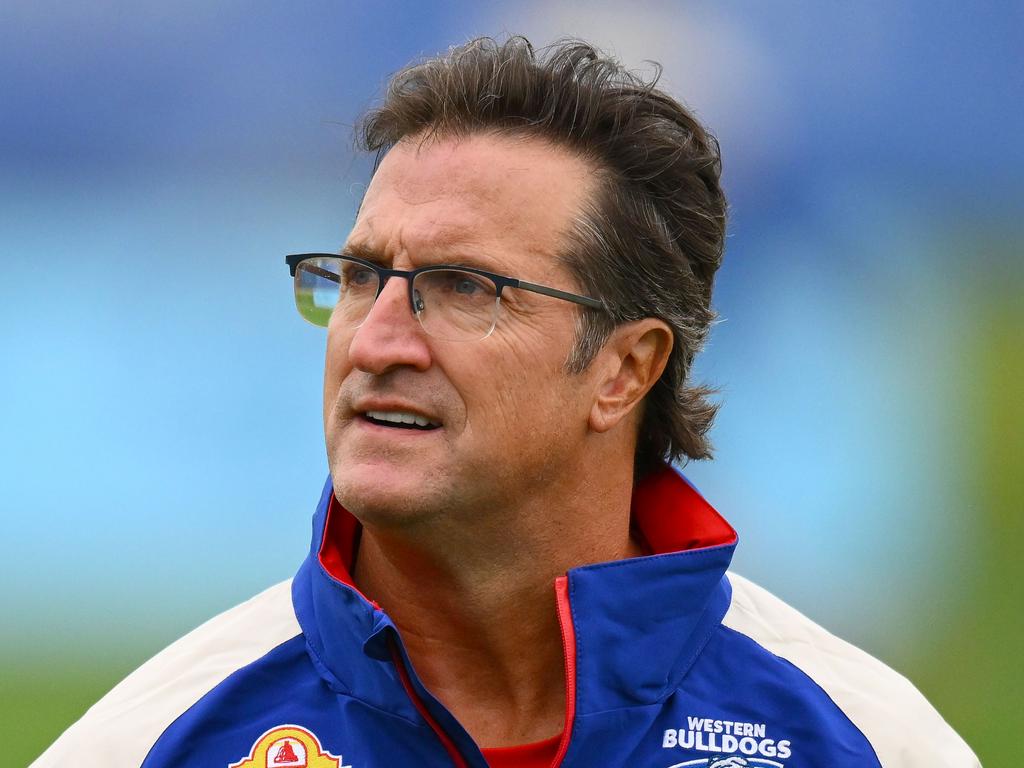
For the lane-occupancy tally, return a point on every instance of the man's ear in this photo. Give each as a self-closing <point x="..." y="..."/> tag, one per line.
<point x="632" y="360"/>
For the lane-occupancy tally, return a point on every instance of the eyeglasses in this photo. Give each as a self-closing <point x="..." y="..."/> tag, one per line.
<point x="451" y="303"/>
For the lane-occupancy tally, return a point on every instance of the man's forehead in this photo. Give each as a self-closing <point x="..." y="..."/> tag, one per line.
<point x="489" y="164"/>
<point x="471" y="191"/>
<point x="398" y="226"/>
<point x="378" y="238"/>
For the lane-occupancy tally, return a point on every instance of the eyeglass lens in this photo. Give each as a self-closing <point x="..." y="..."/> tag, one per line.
<point x="450" y="304"/>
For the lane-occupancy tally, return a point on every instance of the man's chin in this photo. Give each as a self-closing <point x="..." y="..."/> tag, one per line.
<point x="382" y="493"/>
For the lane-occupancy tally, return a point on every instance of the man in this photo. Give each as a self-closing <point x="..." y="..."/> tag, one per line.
<point x="504" y="569"/>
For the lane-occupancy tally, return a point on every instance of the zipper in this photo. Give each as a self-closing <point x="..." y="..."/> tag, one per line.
<point x="568" y="632"/>
<point x="453" y="752"/>
<point x="569" y="655"/>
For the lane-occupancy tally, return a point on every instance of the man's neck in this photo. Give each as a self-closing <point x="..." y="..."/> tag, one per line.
<point x="477" y="611"/>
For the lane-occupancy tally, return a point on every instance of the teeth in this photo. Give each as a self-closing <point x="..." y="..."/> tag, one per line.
<point x="401" y="417"/>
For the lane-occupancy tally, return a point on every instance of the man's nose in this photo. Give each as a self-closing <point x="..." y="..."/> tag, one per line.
<point x="390" y="336"/>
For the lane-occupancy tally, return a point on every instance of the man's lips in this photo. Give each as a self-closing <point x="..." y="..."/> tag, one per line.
<point x="400" y="419"/>
<point x="395" y="415"/>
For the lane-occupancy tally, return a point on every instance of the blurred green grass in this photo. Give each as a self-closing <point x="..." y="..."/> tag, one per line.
<point x="975" y="675"/>
<point x="39" y="699"/>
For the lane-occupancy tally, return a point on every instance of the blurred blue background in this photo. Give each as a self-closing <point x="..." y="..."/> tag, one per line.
<point x="160" y="397"/>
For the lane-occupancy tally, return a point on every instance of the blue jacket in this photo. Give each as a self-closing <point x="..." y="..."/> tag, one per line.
<point x="671" y="661"/>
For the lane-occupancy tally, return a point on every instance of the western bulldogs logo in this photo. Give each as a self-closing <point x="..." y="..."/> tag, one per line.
<point x="727" y="761"/>
<point x="727" y="744"/>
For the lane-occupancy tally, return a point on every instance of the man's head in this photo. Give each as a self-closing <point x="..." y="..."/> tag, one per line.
<point x="564" y="171"/>
<point x="650" y="238"/>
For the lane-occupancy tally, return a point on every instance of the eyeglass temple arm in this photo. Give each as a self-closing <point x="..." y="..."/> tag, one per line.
<point x="574" y="297"/>
<point x="324" y="273"/>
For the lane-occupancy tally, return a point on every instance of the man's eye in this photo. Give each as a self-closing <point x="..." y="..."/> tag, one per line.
<point x="467" y="286"/>
<point x="360" y="276"/>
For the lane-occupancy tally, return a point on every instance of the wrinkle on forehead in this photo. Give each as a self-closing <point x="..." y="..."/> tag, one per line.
<point x="485" y="191"/>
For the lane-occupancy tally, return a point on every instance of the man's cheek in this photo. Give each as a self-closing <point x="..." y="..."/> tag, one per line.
<point x="334" y="366"/>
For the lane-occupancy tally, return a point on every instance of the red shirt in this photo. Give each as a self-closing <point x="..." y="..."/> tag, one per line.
<point x="540" y="754"/>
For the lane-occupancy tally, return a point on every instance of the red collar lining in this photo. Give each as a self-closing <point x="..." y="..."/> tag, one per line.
<point x="673" y="517"/>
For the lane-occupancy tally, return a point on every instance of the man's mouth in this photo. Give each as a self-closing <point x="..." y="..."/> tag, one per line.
<point x="400" y="420"/>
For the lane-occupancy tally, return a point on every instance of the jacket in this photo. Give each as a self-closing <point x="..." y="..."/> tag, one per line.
<point x="670" y="661"/>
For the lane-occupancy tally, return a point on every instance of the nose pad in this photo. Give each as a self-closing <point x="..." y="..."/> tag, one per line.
<point x="417" y="302"/>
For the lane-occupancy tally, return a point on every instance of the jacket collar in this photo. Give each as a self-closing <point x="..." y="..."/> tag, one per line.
<point x="639" y="623"/>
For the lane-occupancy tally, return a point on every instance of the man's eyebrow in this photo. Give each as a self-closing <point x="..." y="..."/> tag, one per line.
<point x="366" y="253"/>
<point x="361" y="251"/>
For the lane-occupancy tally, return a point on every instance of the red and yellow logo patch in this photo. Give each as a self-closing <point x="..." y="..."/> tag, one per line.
<point x="289" y="746"/>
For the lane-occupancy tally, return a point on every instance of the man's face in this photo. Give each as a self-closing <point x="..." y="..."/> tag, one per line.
<point x="510" y="417"/>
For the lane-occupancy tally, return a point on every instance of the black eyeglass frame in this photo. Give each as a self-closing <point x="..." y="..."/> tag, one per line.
<point x="383" y="273"/>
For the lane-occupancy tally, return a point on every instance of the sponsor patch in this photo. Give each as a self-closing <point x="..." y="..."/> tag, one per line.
<point x="289" y="746"/>
<point x="727" y="744"/>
